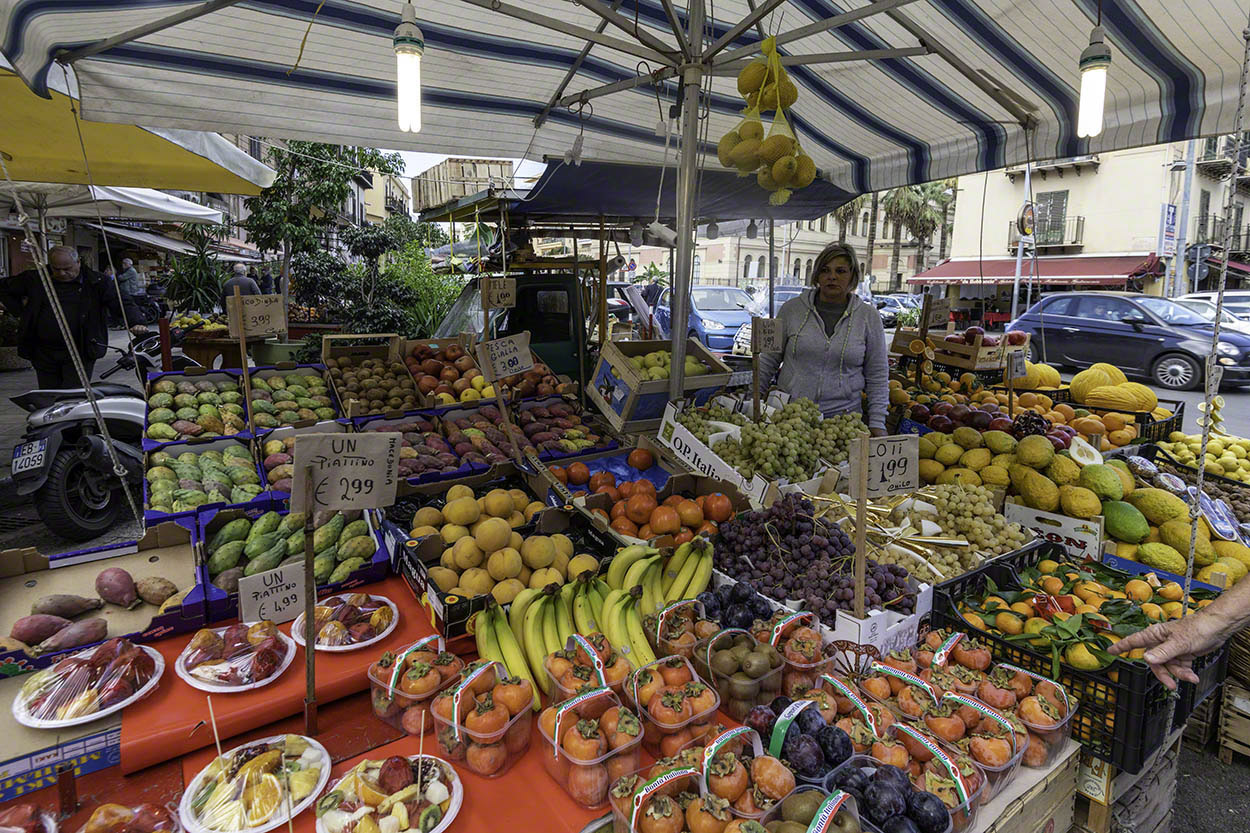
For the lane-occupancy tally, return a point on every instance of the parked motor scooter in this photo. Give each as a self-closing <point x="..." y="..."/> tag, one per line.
<point x="63" y="461"/>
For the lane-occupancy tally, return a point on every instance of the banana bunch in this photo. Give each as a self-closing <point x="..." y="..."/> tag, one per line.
<point x="687" y="572"/>
<point x="683" y="575"/>
<point x="621" y="623"/>
<point x="497" y="642"/>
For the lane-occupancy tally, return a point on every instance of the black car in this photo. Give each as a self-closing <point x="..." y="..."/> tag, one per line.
<point x="1141" y="334"/>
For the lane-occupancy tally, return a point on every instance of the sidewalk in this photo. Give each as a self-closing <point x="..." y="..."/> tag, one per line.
<point x="21" y="527"/>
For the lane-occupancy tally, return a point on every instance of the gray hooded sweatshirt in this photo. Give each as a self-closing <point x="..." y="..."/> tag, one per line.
<point x="834" y="370"/>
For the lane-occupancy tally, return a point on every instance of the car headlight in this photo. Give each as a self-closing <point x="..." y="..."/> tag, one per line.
<point x="1226" y="349"/>
<point x="709" y="324"/>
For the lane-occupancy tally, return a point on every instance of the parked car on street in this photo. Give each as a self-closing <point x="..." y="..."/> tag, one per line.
<point x="1205" y="308"/>
<point x="1141" y="334"/>
<point x="781" y="294"/>
<point x="890" y="306"/>
<point x="716" y="313"/>
<point x="1236" y="301"/>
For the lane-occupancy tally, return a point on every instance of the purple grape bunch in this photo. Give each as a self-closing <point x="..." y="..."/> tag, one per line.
<point x="785" y="552"/>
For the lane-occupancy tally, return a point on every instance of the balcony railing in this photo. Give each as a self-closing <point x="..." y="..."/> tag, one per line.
<point x="397" y="204"/>
<point x="1210" y="229"/>
<point x="1064" y="230"/>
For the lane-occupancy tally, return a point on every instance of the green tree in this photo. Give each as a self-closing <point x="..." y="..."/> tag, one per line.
<point x="652" y="274"/>
<point x="846" y="213"/>
<point x="313" y="179"/>
<point x="872" y="235"/>
<point x="405" y="230"/>
<point x="897" y="207"/>
<point x="196" y="278"/>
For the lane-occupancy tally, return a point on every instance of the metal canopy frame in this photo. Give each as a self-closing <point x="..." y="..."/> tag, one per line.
<point x="688" y="58"/>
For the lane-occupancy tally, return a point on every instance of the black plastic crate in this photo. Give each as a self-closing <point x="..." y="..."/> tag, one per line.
<point x="1156" y="454"/>
<point x="1123" y="715"/>
<point x="1150" y="429"/>
<point x="1030" y="556"/>
<point x="1211" y="669"/>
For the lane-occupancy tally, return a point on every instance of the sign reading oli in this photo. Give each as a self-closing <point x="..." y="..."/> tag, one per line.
<point x="345" y="471"/>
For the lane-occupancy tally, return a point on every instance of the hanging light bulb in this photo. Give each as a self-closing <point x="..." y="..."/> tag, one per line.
<point x="753" y="231"/>
<point x="409" y="46"/>
<point x="1094" y="62"/>
<point x="635" y="233"/>
<point x="713" y="230"/>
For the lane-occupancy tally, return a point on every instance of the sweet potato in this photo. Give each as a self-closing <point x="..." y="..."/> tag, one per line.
<point x="37" y="627"/>
<point x="78" y="633"/>
<point x="155" y="590"/>
<point x="116" y="586"/>
<point x="65" y="605"/>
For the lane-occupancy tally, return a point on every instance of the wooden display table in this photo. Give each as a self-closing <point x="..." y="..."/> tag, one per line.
<point x="207" y="351"/>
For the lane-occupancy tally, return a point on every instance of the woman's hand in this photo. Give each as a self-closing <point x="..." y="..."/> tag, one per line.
<point x="876" y="432"/>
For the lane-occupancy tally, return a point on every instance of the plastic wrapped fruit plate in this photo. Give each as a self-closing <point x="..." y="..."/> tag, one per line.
<point x="349" y="621"/>
<point x="88" y="685"/>
<point x="256" y="787"/>
<point x="391" y="787"/>
<point x="235" y="658"/>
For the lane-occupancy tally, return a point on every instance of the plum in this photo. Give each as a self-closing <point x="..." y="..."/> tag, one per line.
<point x="888" y="774"/>
<point x="899" y="824"/>
<point x="836" y="744"/>
<point x="883" y="801"/>
<point x="851" y="778"/>
<point x="761" y="719"/>
<point x="780" y="703"/>
<point x="809" y="721"/>
<point x="927" y="811"/>
<point x="805" y="756"/>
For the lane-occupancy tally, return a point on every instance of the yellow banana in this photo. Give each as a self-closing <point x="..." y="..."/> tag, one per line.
<point x="551" y="630"/>
<point x="595" y="598"/>
<point x="680" y="586"/>
<point x="634" y="577"/>
<point x="564" y="617"/>
<point x="518" y="665"/>
<point x="516" y="613"/>
<point x="637" y="638"/>
<point x="484" y="635"/>
<point x="622" y="562"/>
<point x="674" y="566"/>
<point x="702" y="575"/>
<point x="583" y="610"/>
<point x="534" y="647"/>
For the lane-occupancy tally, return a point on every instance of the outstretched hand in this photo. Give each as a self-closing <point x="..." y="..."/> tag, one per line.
<point x="1172" y="646"/>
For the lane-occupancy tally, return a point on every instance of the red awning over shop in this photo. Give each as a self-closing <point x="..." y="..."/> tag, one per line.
<point x="1069" y="271"/>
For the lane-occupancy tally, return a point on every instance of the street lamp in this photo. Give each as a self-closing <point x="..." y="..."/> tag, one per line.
<point x="1093" y="64"/>
<point x="713" y="230"/>
<point x="753" y="230"/>
<point x="409" y="46"/>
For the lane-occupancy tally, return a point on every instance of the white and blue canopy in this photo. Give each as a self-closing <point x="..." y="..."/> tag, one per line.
<point x="946" y="98"/>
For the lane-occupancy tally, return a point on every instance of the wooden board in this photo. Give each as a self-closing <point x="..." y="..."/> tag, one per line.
<point x="1234" y="721"/>
<point x="1035" y="801"/>
<point x="1203" y="722"/>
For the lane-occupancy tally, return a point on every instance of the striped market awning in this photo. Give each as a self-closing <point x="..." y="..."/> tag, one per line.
<point x="919" y="90"/>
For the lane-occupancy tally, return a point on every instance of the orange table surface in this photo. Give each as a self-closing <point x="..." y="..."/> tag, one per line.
<point x="163" y="726"/>
<point x="523" y="798"/>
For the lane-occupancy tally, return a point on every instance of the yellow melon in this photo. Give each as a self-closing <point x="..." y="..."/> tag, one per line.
<point x="1086" y="381"/>
<point x="1113" y="373"/>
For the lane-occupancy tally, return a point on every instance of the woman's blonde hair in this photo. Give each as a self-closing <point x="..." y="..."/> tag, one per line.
<point x="832" y="252"/>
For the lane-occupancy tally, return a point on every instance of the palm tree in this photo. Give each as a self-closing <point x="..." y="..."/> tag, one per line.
<point x="846" y="213"/>
<point x="898" y="205"/>
<point x="872" y="236"/>
<point x="927" y="216"/>
<point x="946" y="204"/>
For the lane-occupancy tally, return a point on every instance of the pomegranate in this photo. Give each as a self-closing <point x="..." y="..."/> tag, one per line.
<point x="1017" y="337"/>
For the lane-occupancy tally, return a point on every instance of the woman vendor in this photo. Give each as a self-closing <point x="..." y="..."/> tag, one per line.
<point x="833" y="344"/>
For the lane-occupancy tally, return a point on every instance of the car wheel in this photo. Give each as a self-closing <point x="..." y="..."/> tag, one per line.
<point x="1035" y="353"/>
<point x="1177" y="372"/>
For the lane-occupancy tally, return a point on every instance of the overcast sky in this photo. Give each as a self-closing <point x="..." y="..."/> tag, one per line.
<point x="420" y="162"/>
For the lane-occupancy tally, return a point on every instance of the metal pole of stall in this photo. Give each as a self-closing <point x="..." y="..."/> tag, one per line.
<point x="1015" y="284"/>
<point x="687" y="173"/>
<point x="1175" y="287"/>
<point x="772" y="264"/>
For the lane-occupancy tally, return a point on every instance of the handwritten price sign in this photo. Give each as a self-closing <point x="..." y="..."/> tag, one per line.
<point x="893" y="466"/>
<point x="345" y="471"/>
<point x="939" y="312"/>
<point x="766" y="335"/>
<point x="505" y="356"/>
<point x="276" y="595"/>
<point x="260" y="315"/>
<point x="498" y="293"/>
<point x="1015" y="365"/>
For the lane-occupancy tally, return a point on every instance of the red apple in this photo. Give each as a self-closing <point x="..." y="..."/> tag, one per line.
<point x="449" y="374"/>
<point x="432" y="366"/>
<point x="1017" y="337"/>
<point x="920" y="413"/>
<point x="942" y="408"/>
<point x="427" y="384"/>
<point x="960" y="412"/>
<point x="979" y="420"/>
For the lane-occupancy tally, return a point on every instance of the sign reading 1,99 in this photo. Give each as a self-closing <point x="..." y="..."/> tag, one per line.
<point x="893" y="466"/>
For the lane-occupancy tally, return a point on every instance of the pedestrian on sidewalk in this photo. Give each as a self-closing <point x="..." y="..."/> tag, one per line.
<point x="130" y="284"/>
<point x="246" y="286"/>
<point x="86" y="297"/>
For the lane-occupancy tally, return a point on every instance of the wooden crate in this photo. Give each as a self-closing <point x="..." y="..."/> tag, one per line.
<point x="1045" y="805"/>
<point x="1203" y="722"/>
<point x="633" y="403"/>
<point x="1234" y="721"/>
<point x="975" y="356"/>
<point x="1239" y="658"/>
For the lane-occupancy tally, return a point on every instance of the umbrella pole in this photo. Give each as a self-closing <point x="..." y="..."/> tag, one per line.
<point x="687" y="174"/>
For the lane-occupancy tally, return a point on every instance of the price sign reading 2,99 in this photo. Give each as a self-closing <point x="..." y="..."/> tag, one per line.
<point x="345" y="471"/>
<point x="893" y="466"/>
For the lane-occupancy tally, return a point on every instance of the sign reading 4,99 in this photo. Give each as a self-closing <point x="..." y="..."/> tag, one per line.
<point x="345" y="471"/>
<point x="893" y="466"/>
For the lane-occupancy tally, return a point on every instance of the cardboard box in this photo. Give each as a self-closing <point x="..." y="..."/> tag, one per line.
<point x="1138" y="569"/>
<point x="287" y="369"/>
<point x="634" y="404"/>
<point x="1035" y="800"/>
<point x="450" y="614"/>
<point x="194" y="374"/>
<point x="885" y="630"/>
<point x="282" y="434"/>
<point x="594" y="425"/>
<point x="678" y="484"/>
<point x="198" y="446"/>
<point x="386" y="347"/>
<point x="222" y="605"/>
<point x="167" y="550"/>
<point x="37" y="754"/>
<point x="1081" y="539"/>
<point x="392" y="422"/>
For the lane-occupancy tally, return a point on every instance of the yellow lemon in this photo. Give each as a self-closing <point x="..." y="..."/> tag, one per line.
<point x="1008" y="623"/>
<point x="1052" y="585"/>
<point x="1171" y="591"/>
<point x="1173" y="610"/>
<point x="1023" y="608"/>
<point x="974" y="620"/>
<point x="1153" y="611"/>
<point x="1047" y="565"/>
<point x="1078" y="656"/>
<point x="1139" y="591"/>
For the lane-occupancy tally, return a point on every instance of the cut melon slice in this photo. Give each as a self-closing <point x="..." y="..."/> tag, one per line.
<point x="1084" y="453"/>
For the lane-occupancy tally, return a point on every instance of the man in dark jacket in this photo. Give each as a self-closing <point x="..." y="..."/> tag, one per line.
<point x="86" y="297"/>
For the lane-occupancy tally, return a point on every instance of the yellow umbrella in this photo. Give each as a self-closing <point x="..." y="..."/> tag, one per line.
<point x="39" y="141"/>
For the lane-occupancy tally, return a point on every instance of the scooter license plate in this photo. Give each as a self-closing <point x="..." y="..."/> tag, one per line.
<point x="28" y="456"/>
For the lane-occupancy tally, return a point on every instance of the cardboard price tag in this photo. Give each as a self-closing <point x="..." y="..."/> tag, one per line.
<point x="504" y="357"/>
<point x="893" y="466"/>
<point x="276" y="595"/>
<point x="261" y="315"/>
<point x="939" y="312"/>
<point x="345" y="471"/>
<point x="498" y="293"/>
<point x="766" y="335"/>
<point x="1015" y="365"/>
